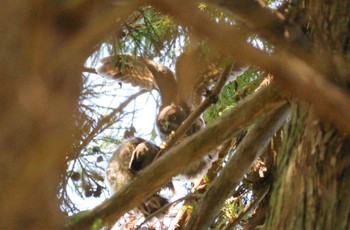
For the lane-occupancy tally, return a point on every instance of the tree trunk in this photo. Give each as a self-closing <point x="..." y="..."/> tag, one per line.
<point x="313" y="173"/>
<point x="313" y="176"/>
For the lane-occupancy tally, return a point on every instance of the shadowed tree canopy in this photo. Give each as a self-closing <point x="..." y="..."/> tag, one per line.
<point x="280" y="129"/>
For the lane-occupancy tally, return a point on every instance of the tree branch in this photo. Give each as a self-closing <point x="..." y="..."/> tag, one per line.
<point x="249" y="149"/>
<point x="248" y="208"/>
<point x="102" y="124"/>
<point x="292" y="73"/>
<point x="180" y="157"/>
<point x="269" y="23"/>
<point x="89" y="70"/>
<point x="182" y="216"/>
<point x="198" y="111"/>
<point x="105" y="19"/>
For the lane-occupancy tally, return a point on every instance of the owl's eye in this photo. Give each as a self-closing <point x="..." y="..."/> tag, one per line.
<point x="173" y="117"/>
<point x="162" y="122"/>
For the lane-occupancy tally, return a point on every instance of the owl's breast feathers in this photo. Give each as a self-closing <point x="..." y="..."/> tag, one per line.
<point x="118" y="173"/>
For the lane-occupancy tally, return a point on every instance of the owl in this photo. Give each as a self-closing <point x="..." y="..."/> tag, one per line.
<point x="181" y="92"/>
<point x="130" y="158"/>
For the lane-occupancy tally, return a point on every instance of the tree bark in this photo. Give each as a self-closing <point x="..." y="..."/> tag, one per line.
<point x="313" y="168"/>
<point x="312" y="187"/>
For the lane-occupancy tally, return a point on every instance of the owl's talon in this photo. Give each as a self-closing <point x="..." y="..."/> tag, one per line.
<point x="172" y="134"/>
<point x="163" y="145"/>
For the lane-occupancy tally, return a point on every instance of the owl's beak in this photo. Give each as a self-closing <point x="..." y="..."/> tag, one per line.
<point x="166" y="126"/>
<point x="169" y="126"/>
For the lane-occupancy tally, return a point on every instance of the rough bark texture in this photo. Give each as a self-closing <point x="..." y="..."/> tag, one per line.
<point x="313" y="174"/>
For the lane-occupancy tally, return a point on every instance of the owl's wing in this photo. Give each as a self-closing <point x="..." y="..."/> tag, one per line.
<point x="127" y="69"/>
<point x="141" y="72"/>
<point x="195" y="73"/>
<point x="132" y="156"/>
<point x="143" y="155"/>
<point x="198" y="72"/>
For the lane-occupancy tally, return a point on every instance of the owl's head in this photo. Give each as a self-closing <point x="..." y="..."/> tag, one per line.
<point x="169" y="119"/>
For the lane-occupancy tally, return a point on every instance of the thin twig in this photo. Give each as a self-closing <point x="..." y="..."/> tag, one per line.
<point x="101" y="125"/>
<point x="248" y="208"/>
<point x="89" y="70"/>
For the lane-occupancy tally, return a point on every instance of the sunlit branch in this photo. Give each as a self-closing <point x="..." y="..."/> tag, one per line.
<point x="209" y="100"/>
<point x="267" y="22"/>
<point x="292" y="73"/>
<point x="180" y="219"/>
<point x="249" y="149"/>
